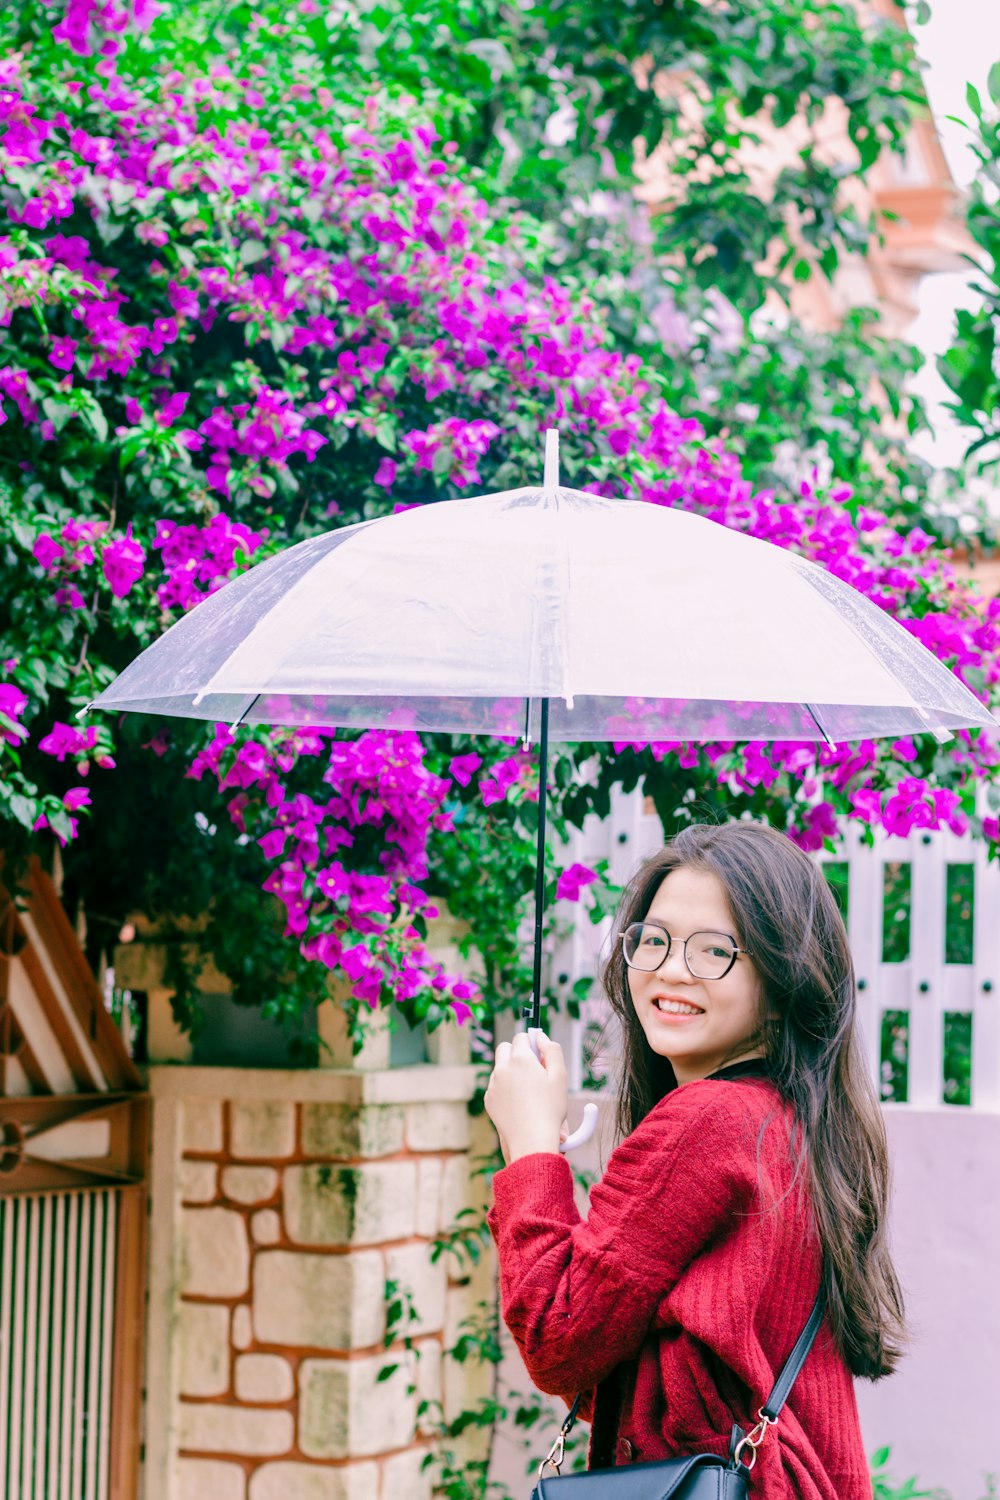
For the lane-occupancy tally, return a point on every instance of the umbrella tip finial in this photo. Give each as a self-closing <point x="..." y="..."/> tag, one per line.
<point x="551" y="480"/>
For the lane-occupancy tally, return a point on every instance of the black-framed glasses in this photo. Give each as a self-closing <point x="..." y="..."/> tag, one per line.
<point x="708" y="955"/>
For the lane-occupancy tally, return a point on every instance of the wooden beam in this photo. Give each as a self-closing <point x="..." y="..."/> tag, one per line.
<point x="54" y="1012"/>
<point x="14" y="1044"/>
<point x="34" y="1116"/>
<point x="81" y="988"/>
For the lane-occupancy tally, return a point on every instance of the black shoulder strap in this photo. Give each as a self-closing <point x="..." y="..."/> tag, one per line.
<point x="789" y="1370"/>
<point x="793" y="1364"/>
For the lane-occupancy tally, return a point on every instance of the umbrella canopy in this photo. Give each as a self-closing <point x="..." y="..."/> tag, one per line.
<point x="633" y="620"/>
<point x="552" y="613"/>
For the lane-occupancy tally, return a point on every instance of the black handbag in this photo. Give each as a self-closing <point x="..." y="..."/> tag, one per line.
<point x="703" y="1476"/>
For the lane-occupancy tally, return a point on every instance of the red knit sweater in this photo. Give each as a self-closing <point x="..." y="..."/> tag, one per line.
<point x="677" y="1300"/>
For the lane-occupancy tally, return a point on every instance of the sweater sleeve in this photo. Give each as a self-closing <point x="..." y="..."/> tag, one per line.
<point x="579" y="1295"/>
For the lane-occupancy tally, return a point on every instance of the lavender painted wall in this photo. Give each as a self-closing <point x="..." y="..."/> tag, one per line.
<point x="939" y="1412"/>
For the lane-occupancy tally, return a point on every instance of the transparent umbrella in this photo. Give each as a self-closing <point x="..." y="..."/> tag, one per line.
<point x="554" y="614"/>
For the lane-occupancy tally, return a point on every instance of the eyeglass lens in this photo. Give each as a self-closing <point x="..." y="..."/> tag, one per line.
<point x="709" y="955"/>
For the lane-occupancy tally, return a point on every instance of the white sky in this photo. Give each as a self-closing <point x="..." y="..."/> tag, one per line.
<point x="959" y="44"/>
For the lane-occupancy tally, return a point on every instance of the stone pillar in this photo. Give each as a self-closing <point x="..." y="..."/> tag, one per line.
<point x="282" y="1202"/>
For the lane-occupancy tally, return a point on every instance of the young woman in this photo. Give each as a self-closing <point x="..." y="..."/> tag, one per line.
<point x="753" y="1165"/>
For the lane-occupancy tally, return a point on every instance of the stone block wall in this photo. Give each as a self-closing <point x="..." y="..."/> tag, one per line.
<point x="283" y="1202"/>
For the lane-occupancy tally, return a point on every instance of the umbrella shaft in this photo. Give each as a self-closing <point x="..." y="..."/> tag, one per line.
<point x="534" y="1011"/>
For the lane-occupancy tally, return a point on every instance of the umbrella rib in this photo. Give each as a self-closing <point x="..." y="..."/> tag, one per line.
<point x="812" y="714"/>
<point x="237" y="722"/>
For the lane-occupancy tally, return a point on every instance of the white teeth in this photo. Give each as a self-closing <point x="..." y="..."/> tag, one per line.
<point x="678" y="1008"/>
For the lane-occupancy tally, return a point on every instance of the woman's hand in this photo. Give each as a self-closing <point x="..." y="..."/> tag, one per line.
<point x="527" y="1098"/>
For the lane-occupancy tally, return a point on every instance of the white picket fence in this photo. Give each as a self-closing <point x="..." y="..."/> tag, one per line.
<point x="951" y="968"/>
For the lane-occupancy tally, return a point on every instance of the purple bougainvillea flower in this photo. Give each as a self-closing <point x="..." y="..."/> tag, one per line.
<point x="385" y="474"/>
<point x="63" y="353"/>
<point x="47" y="552"/>
<point x="123" y="563"/>
<point x="69" y="597"/>
<point x="334" y="882"/>
<point x="866" y="804"/>
<point x="817" y="824"/>
<point x="572" y="881"/>
<point x="463" y="767"/>
<point x="273" y="843"/>
<point x="948" y="810"/>
<point x="495" y="786"/>
<point x="63" y="740"/>
<point x="172" y="408"/>
<point x="325" y="947"/>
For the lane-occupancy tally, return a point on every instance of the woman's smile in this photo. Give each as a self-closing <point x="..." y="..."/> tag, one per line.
<point x="672" y="1008"/>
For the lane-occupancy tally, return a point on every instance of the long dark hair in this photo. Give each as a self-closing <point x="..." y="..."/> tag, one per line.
<point x="789" y="921"/>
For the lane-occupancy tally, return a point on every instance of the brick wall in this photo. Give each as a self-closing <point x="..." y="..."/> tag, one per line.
<point x="282" y="1202"/>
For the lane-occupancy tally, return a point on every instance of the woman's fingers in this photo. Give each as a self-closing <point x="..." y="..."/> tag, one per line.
<point x="521" y="1044"/>
<point x="526" y="1097"/>
<point x="551" y="1054"/>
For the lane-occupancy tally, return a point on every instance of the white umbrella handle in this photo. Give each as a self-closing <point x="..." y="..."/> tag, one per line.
<point x="581" y="1135"/>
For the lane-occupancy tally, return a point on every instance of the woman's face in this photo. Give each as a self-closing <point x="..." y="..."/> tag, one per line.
<point x="709" y="1021"/>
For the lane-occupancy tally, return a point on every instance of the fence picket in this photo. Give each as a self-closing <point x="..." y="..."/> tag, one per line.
<point x="986" y="985"/>
<point x="864" y="906"/>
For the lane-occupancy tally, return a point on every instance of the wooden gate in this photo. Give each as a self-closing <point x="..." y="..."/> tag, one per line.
<point x="73" y="1149"/>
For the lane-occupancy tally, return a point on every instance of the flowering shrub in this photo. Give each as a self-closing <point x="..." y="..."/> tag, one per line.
<point x="235" y="315"/>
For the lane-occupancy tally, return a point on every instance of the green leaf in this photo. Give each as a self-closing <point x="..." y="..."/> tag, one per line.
<point x="386" y="1373"/>
<point x="60" y="823"/>
<point x="11" y="725"/>
<point x="993" y="83"/>
<point x="24" y="809"/>
<point x="494" y="54"/>
<point x="973" y="101"/>
<point x="92" y="414"/>
<point x="58" y="412"/>
<point x="252" y="251"/>
<point x="132" y="446"/>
